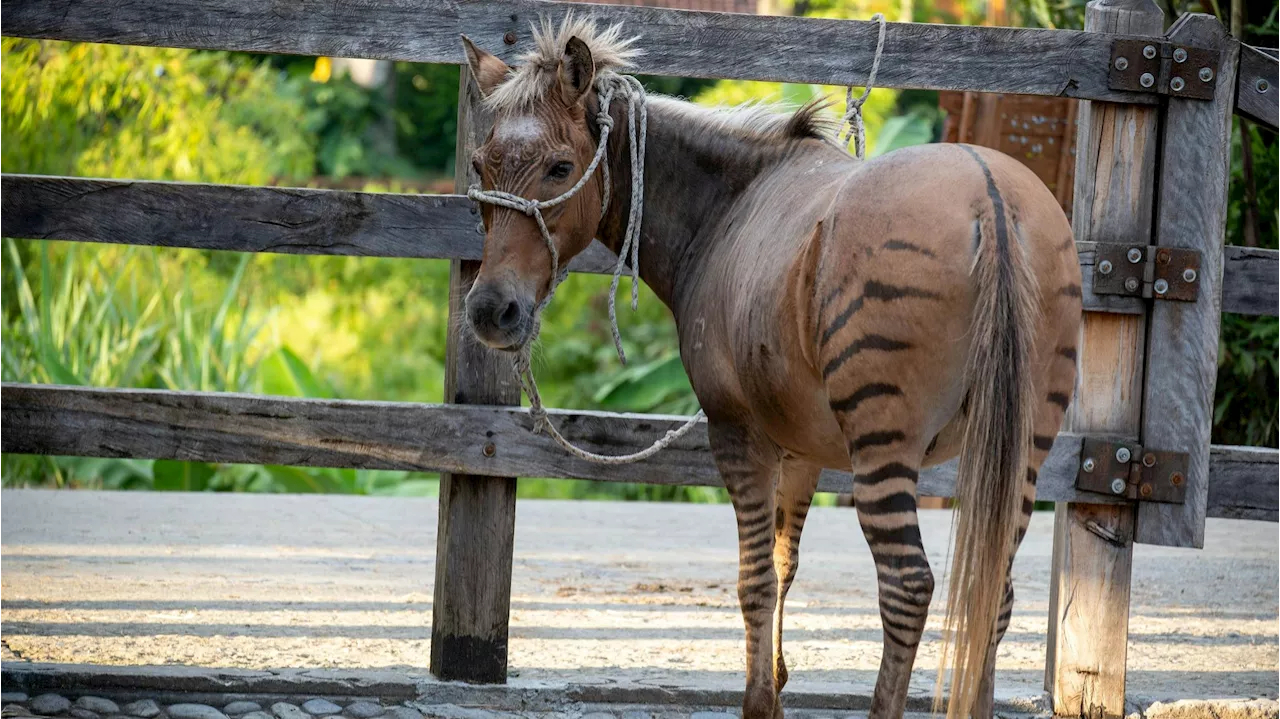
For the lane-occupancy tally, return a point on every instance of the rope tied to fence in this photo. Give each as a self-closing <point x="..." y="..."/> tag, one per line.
<point x="853" y="125"/>
<point x="607" y="86"/>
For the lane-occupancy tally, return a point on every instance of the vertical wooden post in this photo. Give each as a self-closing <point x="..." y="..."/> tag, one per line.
<point x="1116" y="148"/>
<point x="472" y="601"/>
<point x="1182" y="358"/>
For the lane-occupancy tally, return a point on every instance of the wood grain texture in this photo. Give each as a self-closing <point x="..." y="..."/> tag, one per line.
<point x="1182" y="357"/>
<point x="475" y="541"/>
<point x="1258" y="102"/>
<point x="1238" y="486"/>
<point x="676" y="42"/>
<point x="251" y="219"/>
<point x="254" y="429"/>
<point x="1087" y="641"/>
<point x="327" y="222"/>
<point x="1250" y="280"/>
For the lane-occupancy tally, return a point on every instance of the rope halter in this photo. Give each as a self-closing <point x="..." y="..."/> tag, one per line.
<point x="852" y="125"/>
<point x="607" y="85"/>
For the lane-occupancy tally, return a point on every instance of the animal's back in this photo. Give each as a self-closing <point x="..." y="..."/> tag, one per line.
<point x="873" y="263"/>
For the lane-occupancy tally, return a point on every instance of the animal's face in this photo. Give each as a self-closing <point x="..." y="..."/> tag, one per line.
<point x="537" y="150"/>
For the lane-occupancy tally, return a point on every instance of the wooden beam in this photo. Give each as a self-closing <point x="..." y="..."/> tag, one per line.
<point x="1092" y="543"/>
<point x="679" y="43"/>
<point x="252" y="429"/>
<point x="329" y="222"/>
<point x="1182" y="353"/>
<point x="1257" y="96"/>
<point x="475" y="541"/>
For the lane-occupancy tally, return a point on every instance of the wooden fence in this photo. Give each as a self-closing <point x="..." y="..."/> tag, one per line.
<point x="1147" y="365"/>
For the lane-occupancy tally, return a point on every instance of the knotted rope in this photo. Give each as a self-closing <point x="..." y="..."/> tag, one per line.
<point x="852" y="125"/>
<point x="630" y="89"/>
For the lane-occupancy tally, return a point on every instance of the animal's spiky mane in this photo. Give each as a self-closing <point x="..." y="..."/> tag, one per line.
<point x="528" y="82"/>
<point x="612" y="51"/>
<point x="768" y="122"/>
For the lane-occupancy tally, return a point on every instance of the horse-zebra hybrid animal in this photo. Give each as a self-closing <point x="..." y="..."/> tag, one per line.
<point x="879" y="316"/>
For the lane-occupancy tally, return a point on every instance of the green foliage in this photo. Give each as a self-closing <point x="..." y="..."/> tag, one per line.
<point x="1246" y="408"/>
<point x="147" y="113"/>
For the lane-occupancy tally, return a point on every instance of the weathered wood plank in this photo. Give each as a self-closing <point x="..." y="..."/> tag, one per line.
<point x="251" y="219"/>
<point x="1250" y="280"/>
<point x="1239" y="486"/>
<point x="475" y="541"/>
<point x="253" y="429"/>
<point x="1092" y="543"/>
<point x="327" y="222"/>
<point x="1257" y="97"/>
<point x="676" y="42"/>
<point x="1182" y="357"/>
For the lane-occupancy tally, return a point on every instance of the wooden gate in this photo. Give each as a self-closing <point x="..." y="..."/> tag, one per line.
<point x="1148" y="362"/>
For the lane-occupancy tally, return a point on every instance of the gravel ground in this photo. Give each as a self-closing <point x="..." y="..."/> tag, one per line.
<point x="604" y="593"/>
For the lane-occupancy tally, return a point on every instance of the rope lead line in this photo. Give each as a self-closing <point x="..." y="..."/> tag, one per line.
<point x="637" y="132"/>
<point x="852" y="125"/>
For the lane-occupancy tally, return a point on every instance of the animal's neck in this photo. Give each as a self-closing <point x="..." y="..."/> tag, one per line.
<point x="694" y="172"/>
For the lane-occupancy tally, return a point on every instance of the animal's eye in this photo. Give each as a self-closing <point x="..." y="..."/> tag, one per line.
<point x="560" y="170"/>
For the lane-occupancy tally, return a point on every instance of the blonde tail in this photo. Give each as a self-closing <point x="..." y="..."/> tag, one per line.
<point x="994" y="454"/>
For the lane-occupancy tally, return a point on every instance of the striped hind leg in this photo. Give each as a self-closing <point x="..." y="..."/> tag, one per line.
<point x="884" y="495"/>
<point x="796" y="485"/>
<point x="749" y="466"/>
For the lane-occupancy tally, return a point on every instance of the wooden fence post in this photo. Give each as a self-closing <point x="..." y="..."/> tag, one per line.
<point x="1116" y="148"/>
<point x="1182" y="355"/>
<point x="472" y="601"/>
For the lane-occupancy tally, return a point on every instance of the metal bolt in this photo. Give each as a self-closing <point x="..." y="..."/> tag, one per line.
<point x="1149" y="52"/>
<point x="509" y="38"/>
<point x="1089" y="464"/>
<point x="1148" y="460"/>
<point x="1176" y="84"/>
<point x="1206" y="74"/>
<point x="1104" y="267"/>
<point x="1145" y="490"/>
<point x="1122" y="63"/>
<point x="1262" y="85"/>
<point x="1117" y="486"/>
<point x="1176" y="478"/>
<point x="1161" y="287"/>
<point x="489" y="449"/>
<point x="1189" y="275"/>
<point x="1134" y="255"/>
<point x="1147" y="79"/>
<point x="1123" y="455"/>
<point x="1179" y="55"/>
<point x="1162" y="256"/>
<point x="1131" y="284"/>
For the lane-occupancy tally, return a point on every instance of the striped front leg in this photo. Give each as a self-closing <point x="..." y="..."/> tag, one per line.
<point x="749" y="467"/>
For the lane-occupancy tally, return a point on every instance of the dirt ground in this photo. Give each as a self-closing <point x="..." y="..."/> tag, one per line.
<point x="603" y="592"/>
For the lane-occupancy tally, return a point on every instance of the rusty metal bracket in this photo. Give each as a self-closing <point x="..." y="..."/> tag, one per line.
<point x="1165" y="68"/>
<point x="1164" y="273"/>
<point x="1127" y="469"/>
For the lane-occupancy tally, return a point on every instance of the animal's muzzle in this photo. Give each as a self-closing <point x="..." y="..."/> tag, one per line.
<point x="498" y="318"/>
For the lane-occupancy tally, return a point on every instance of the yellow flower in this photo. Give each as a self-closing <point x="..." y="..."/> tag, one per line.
<point x="324" y="68"/>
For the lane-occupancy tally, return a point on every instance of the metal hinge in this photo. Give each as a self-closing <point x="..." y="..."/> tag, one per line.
<point x="1164" y="67"/>
<point x="1126" y="469"/>
<point x="1165" y="273"/>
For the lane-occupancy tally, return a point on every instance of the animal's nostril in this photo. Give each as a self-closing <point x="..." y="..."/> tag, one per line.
<point x="510" y="316"/>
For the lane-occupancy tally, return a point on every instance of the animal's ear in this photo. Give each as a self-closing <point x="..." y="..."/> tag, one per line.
<point x="577" y="71"/>
<point x="489" y="71"/>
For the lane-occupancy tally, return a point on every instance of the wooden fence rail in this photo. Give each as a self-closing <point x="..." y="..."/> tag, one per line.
<point x="331" y="222"/>
<point x="470" y="439"/>
<point x="680" y="43"/>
